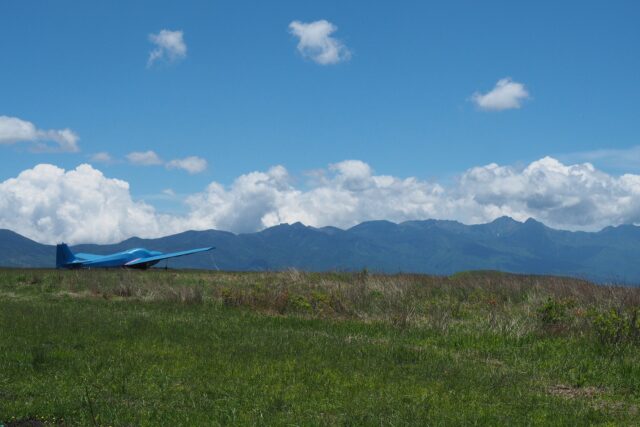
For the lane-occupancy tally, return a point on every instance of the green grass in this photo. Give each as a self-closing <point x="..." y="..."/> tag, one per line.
<point x="179" y="348"/>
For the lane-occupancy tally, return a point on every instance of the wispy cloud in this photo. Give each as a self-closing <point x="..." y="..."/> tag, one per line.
<point x="144" y="158"/>
<point x="612" y="158"/>
<point x="315" y="42"/>
<point x="191" y="164"/>
<point x="506" y="95"/>
<point x="101" y="157"/>
<point x="170" y="46"/>
<point x="13" y="130"/>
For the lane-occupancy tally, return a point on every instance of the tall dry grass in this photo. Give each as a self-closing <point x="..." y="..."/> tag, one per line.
<point x="513" y="305"/>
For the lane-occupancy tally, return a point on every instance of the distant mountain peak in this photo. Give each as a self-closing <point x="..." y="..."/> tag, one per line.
<point x="531" y="222"/>
<point x="505" y="220"/>
<point x="501" y="226"/>
<point x="284" y="228"/>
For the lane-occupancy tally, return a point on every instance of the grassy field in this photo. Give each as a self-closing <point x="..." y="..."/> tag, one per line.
<point x="177" y="348"/>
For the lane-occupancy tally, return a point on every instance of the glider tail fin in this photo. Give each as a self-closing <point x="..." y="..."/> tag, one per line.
<point x="64" y="255"/>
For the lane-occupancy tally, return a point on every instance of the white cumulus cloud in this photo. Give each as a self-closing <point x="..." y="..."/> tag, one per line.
<point x="170" y="46"/>
<point x="191" y="164"/>
<point x="315" y="42"/>
<point x="49" y="204"/>
<point x="252" y="202"/>
<point x="13" y="130"/>
<point x="506" y="95"/>
<point x="347" y="193"/>
<point x="575" y="197"/>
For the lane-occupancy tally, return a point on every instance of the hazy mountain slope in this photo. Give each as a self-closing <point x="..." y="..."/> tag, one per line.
<point x="431" y="246"/>
<point x="18" y="251"/>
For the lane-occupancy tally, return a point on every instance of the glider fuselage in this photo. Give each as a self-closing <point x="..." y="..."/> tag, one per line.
<point x="119" y="259"/>
<point x="133" y="258"/>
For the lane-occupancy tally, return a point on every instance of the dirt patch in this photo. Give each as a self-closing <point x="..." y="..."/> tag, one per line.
<point x="495" y="362"/>
<point x="616" y="406"/>
<point x="569" y="392"/>
<point x="15" y="296"/>
<point x="595" y="395"/>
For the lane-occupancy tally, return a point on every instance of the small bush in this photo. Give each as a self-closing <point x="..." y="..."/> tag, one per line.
<point x="321" y="302"/>
<point x="298" y="303"/>
<point x="617" y="327"/>
<point x="554" y="314"/>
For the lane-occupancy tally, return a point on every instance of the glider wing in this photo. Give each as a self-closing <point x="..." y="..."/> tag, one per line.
<point x="156" y="258"/>
<point x="87" y="257"/>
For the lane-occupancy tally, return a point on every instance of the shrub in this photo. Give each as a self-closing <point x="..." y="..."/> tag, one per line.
<point x="617" y="327"/>
<point x="321" y="302"/>
<point x="298" y="303"/>
<point x="554" y="314"/>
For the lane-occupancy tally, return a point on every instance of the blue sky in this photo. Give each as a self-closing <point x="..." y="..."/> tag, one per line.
<point x="244" y="98"/>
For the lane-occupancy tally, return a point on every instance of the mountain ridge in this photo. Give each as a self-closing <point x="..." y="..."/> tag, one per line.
<point x="417" y="246"/>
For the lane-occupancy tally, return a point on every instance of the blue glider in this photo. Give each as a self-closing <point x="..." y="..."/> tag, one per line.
<point x="133" y="258"/>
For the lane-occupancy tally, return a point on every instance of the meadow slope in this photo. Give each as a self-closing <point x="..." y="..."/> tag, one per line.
<point x="212" y="348"/>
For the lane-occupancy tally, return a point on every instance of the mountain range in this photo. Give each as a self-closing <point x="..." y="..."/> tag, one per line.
<point x="431" y="246"/>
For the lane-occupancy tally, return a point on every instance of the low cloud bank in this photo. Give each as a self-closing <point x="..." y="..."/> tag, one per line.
<point x="49" y="204"/>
